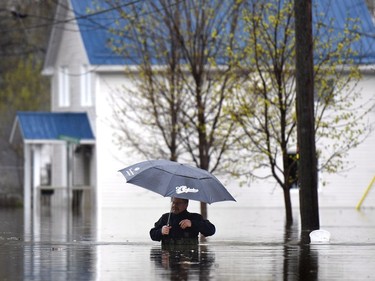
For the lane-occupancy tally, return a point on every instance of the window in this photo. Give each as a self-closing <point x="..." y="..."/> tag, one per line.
<point x="63" y="80"/>
<point x="86" y="89"/>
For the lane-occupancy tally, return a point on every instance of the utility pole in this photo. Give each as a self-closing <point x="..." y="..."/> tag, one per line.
<point x="307" y="168"/>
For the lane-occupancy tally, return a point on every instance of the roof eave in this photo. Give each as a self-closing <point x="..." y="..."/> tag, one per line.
<point x="370" y="68"/>
<point x="52" y="141"/>
<point x="55" y="37"/>
<point x="110" y="68"/>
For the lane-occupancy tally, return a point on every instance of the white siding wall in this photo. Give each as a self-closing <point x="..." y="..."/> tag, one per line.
<point x="347" y="188"/>
<point x="72" y="56"/>
<point x="112" y="188"/>
<point x="58" y="164"/>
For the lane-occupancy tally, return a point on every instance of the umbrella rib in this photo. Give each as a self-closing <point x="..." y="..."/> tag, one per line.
<point x="170" y="179"/>
<point x="191" y="177"/>
<point x="204" y="191"/>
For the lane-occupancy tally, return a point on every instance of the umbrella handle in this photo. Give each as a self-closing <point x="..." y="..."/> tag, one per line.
<point x="169" y="217"/>
<point x="170" y="212"/>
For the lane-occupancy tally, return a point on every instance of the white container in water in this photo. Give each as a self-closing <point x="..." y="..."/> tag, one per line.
<point x="319" y="236"/>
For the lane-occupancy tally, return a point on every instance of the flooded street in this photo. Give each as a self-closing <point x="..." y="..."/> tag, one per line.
<point x="250" y="244"/>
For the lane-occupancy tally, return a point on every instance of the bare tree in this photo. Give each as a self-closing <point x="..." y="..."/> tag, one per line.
<point x="154" y="100"/>
<point x="183" y="77"/>
<point x="265" y="106"/>
<point x="205" y="31"/>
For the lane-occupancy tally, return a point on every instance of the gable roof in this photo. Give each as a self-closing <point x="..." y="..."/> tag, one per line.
<point x="94" y="26"/>
<point x="41" y="127"/>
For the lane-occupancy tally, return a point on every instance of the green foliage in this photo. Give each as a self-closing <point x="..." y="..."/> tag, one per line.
<point x="24" y="88"/>
<point x="265" y="104"/>
<point x="25" y="32"/>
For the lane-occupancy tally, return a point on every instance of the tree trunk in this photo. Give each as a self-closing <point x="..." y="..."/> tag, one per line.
<point x="204" y="210"/>
<point x="307" y="168"/>
<point x="288" y="206"/>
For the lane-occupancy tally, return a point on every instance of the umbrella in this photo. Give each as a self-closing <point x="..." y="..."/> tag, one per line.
<point x="172" y="179"/>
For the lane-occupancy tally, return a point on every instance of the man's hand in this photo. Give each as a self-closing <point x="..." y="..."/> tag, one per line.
<point x="185" y="223"/>
<point x="165" y="229"/>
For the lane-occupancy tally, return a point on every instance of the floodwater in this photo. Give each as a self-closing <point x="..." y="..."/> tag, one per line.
<point x="250" y="244"/>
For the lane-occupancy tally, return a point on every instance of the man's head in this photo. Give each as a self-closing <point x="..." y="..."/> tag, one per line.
<point x="179" y="205"/>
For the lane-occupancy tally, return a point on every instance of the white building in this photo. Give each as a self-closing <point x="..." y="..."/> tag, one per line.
<point x="84" y="73"/>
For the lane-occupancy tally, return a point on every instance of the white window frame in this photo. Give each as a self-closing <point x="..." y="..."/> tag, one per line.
<point x="64" y="84"/>
<point x="86" y="86"/>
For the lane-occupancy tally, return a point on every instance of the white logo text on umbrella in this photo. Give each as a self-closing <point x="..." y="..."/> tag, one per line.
<point x="185" y="189"/>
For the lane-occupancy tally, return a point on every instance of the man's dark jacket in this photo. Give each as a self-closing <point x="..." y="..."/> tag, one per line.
<point x="198" y="225"/>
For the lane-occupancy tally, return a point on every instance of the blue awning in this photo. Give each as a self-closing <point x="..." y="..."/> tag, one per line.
<point x="50" y="126"/>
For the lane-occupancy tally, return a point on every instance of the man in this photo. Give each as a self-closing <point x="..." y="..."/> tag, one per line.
<point x="183" y="227"/>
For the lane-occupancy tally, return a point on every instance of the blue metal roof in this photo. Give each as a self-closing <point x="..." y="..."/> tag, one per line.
<point x="353" y="14"/>
<point x="94" y="27"/>
<point x="54" y="125"/>
<point x="95" y="31"/>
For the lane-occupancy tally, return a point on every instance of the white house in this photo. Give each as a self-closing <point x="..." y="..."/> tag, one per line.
<point x="84" y="73"/>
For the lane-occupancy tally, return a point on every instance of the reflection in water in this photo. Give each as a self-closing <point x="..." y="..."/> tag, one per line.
<point x="46" y="244"/>
<point x="300" y="262"/>
<point x="57" y="244"/>
<point x="184" y="263"/>
<point x="53" y="245"/>
<point x="308" y="263"/>
<point x="10" y="229"/>
<point x="290" y="261"/>
<point x="60" y="224"/>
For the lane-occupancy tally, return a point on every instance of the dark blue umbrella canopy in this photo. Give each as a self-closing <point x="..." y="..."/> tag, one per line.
<point x="173" y="179"/>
